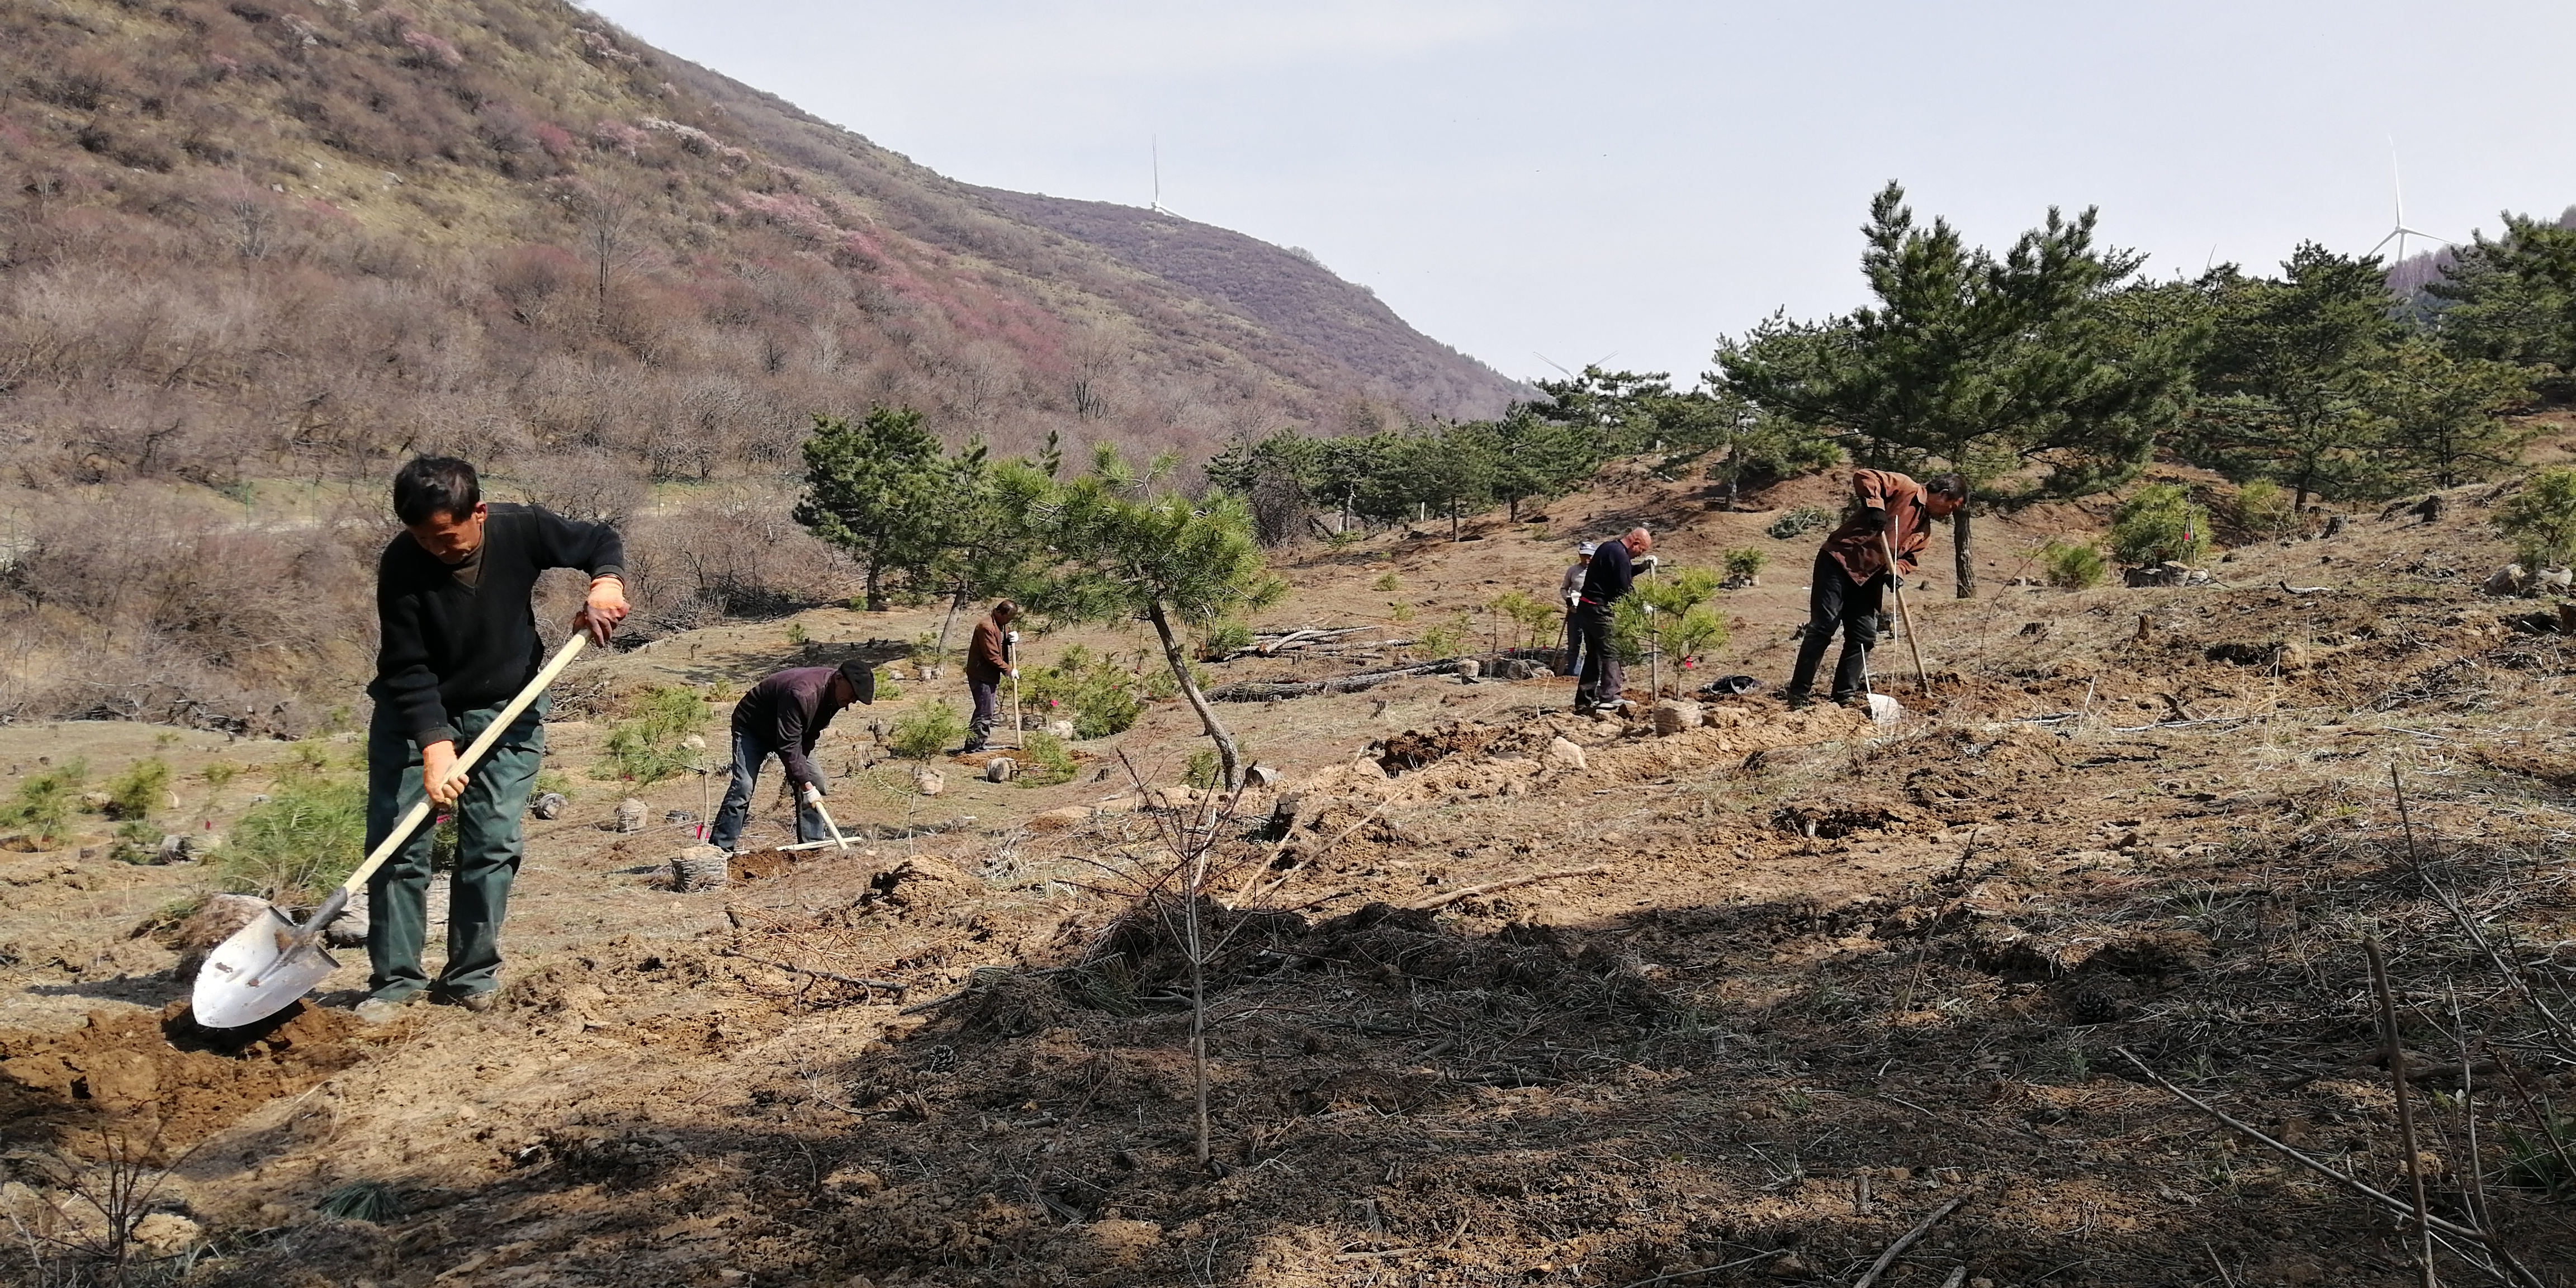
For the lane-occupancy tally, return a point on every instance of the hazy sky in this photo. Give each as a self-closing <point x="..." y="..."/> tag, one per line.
<point x="1625" y="181"/>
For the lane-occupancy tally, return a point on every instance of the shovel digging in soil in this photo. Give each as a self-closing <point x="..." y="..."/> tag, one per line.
<point x="271" y="962"/>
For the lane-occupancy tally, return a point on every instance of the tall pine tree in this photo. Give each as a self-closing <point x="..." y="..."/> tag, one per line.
<point x="1979" y="364"/>
<point x="2285" y="387"/>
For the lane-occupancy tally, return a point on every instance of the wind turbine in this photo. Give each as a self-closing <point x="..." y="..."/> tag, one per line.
<point x="2397" y="194"/>
<point x="1157" y="205"/>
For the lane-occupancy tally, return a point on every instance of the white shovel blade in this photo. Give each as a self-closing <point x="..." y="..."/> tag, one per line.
<point x="247" y="979"/>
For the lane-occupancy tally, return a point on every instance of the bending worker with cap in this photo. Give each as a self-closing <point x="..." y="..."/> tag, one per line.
<point x="1605" y="581"/>
<point x="784" y="716"/>
<point x="1851" y="575"/>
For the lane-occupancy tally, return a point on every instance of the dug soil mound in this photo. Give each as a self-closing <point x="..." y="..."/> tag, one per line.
<point x="163" y="1077"/>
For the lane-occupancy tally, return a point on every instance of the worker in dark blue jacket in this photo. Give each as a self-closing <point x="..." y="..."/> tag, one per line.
<point x="1612" y="570"/>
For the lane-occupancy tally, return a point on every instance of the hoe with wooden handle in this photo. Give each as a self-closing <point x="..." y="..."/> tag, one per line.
<point x="1921" y="675"/>
<point x="271" y="962"/>
<point x="814" y="802"/>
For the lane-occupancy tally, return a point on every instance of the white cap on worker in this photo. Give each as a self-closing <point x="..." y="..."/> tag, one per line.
<point x="1584" y="548"/>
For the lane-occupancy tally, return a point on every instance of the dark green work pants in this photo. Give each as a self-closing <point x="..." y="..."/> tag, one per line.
<point x="487" y="854"/>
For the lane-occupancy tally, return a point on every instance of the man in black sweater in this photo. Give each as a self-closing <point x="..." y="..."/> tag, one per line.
<point x="457" y="640"/>
<point x="1605" y="582"/>
<point x="783" y="716"/>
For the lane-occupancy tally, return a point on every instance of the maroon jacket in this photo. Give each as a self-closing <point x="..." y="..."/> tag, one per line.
<point x="985" y="658"/>
<point x="1855" y="547"/>
<point x="788" y="711"/>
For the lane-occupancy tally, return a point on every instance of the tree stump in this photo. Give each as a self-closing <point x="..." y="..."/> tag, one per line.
<point x="700" y="867"/>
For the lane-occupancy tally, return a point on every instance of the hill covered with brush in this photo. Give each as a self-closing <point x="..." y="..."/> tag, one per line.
<point x="251" y="253"/>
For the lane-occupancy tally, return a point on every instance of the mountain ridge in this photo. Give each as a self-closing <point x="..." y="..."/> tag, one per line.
<point x="244" y="242"/>
<point x="1333" y="326"/>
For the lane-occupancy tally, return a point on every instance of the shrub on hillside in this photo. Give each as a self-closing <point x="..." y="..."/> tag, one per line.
<point x="134" y="794"/>
<point x="1099" y="696"/>
<point x="1222" y="638"/>
<point x="1445" y="640"/>
<point x="1800" y="521"/>
<point x="1201" y="769"/>
<point x="305" y="838"/>
<point x="926" y="730"/>
<point x="2073" y="565"/>
<point x="1045" y="761"/>
<point x="2160" y="525"/>
<point x="1684" y="624"/>
<point x="43" y="805"/>
<point x="646" y="747"/>
<point x="2541" y="519"/>
<point x="2262" y="509"/>
<point x="1534" y="620"/>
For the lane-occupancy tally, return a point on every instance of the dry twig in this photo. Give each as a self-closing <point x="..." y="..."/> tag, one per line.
<point x="871" y="986"/>
<point x="1470" y="892"/>
<point x="2396" y="1056"/>
<point x="2512" y="1272"/>
<point x="1906" y="1240"/>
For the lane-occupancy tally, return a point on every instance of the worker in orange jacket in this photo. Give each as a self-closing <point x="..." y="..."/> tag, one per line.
<point x="1851" y="577"/>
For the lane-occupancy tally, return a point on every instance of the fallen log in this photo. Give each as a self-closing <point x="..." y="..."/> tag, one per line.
<point x="1264" y="691"/>
<point x="1271" y="643"/>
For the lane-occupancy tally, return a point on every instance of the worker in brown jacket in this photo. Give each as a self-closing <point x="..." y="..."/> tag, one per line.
<point x="988" y="659"/>
<point x="1852" y="576"/>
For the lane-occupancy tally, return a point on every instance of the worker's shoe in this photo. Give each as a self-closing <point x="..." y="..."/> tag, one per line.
<point x="478" y="1003"/>
<point x="384" y="1009"/>
<point x="1799" y="701"/>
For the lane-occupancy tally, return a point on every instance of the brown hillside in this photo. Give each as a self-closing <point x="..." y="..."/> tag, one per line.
<point x="1285" y="293"/>
<point x="251" y="254"/>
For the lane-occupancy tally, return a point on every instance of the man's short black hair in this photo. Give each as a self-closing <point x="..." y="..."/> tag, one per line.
<point x="862" y="678"/>
<point x="1947" y="485"/>
<point x="435" y="485"/>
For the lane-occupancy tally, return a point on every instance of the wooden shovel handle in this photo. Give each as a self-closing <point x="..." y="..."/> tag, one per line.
<point x="482" y="743"/>
<point x="1921" y="675"/>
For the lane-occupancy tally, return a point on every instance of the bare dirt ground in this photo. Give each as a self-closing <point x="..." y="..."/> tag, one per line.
<point x="1796" y="985"/>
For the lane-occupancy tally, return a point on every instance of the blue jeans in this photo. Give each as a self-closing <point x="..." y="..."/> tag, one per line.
<point x="488" y="847"/>
<point x="749" y="750"/>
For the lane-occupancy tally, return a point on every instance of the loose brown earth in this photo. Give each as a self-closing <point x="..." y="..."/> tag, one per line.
<point x="1822" y="960"/>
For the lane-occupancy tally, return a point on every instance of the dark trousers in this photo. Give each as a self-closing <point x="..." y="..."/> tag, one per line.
<point x="488" y="846"/>
<point x="1602" y="678"/>
<point x="988" y="709"/>
<point x="1834" y="601"/>
<point x="1573" y="645"/>
<point x="749" y="751"/>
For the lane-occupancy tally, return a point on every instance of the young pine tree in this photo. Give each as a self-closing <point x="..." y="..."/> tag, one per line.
<point x="880" y="489"/>
<point x="1129" y="548"/>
